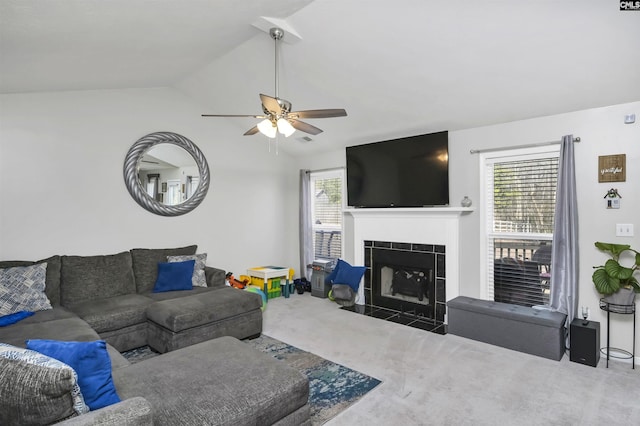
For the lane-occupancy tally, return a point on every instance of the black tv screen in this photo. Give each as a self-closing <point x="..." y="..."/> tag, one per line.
<point x="405" y="172"/>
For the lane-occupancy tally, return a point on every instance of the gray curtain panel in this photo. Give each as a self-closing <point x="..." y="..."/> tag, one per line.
<point x="306" y="242"/>
<point x="564" y="255"/>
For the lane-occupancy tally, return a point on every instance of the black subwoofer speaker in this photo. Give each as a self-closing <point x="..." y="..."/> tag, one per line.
<point x="585" y="342"/>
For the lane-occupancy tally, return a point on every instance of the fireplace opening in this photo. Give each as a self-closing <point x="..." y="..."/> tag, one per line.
<point x="403" y="280"/>
<point x="405" y="283"/>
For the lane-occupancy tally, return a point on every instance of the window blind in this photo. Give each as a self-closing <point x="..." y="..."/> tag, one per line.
<point x="326" y="206"/>
<point x="520" y="205"/>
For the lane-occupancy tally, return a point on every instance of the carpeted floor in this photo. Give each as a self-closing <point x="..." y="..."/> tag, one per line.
<point x="332" y="387"/>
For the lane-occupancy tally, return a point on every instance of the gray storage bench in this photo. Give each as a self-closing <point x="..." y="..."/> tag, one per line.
<point x="524" y="329"/>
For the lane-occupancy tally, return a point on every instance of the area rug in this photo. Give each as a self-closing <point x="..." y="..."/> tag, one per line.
<point x="332" y="387"/>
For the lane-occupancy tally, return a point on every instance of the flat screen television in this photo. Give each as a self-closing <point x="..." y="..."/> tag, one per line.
<point x="405" y="172"/>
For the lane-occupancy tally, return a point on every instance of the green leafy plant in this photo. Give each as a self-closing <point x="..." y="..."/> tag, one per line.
<point x="612" y="276"/>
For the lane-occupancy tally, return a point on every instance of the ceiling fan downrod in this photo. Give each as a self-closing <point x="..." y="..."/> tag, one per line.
<point x="276" y="34"/>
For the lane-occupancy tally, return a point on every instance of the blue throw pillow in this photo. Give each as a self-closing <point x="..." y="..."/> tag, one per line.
<point x="91" y="362"/>
<point x="14" y="318"/>
<point x="349" y="275"/>
<point x="174" y="276"/>
<point x="332" y="276"/>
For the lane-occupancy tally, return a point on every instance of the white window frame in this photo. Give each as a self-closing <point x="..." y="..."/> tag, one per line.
<point x="327" y="174"/>
<point x="173" y="195"/>
<point x="486" y="213"/>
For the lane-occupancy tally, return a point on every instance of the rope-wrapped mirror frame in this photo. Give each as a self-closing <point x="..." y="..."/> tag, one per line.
<point x="135" y="188"/>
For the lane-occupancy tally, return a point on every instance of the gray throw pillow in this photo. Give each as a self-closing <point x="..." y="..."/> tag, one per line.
<point x="22" y="289"/>
<point x="145" y="264"/>
<point x="198" y="279"/>
<point x="36" y="389"/>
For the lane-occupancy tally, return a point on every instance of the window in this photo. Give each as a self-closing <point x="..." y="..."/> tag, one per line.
<point x="519" y="206"/>
<point x="192" y="185"/>
<point x="326" y="213"/>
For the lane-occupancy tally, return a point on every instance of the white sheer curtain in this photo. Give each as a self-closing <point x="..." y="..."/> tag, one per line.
<point x="564" y="255"/>
<point x="306" y="240"/>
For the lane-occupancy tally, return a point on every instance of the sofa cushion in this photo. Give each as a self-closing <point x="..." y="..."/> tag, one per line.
<point x="91" y="362"/>
<point x="221" y="381"/>
<point x="145" y="264"/>
<point x="14" y="318"/>
<point x="52" y="288"/>
<point x="179" y="294"/>
<point x="22" y="289"/>
<point x="173" y="276"/>
<point x="199" y="279"/>
<point x="96" y="277"/>
<point x="56" y="313"/>
<point x="113" y="313"/>
<point x="205" y="308"/>
<point x="36" y="389"/>
<point x="72" y="328"/>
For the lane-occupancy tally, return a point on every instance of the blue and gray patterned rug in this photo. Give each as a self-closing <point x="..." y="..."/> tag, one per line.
<point x="332" y="387"/>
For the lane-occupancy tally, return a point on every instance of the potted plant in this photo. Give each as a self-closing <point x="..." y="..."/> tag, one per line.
<point x="616" y="282"/>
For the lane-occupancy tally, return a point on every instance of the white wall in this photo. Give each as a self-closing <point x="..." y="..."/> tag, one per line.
<point x="602" y="132"/>
<point x="62" y="190"/>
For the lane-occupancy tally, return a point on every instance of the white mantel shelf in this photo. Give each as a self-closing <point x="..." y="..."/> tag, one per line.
<point x="410" y="211"/>
<point x="418" y="225"/>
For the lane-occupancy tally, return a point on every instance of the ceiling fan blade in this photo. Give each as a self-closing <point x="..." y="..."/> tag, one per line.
<point x="251" y="131"/>
<point x="270" y="104"/>
<point x="232" y="115"/>
<point x="318" y="113"/>
<point x="305" y="127"/>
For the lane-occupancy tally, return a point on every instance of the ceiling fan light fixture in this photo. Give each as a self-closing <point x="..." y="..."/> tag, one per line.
<point x="285" y="128"/>
<point x="267" y="128"/>
<point x="278" y="116"/>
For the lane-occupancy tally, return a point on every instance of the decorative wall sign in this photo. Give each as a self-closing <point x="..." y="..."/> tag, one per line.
<point x="612" y="168"/>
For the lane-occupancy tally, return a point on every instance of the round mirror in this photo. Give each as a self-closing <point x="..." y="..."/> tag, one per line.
<point x="166" y="173"/>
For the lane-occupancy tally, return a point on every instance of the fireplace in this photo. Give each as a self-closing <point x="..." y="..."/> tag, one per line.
<point x="406" y="278"/>
<point x="430" y="239"/>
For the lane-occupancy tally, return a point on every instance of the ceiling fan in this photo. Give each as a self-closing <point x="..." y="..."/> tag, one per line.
<point x="278" y="116"/>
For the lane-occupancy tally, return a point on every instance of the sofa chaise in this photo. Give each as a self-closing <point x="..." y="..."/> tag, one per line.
<point x="204" y="375"/>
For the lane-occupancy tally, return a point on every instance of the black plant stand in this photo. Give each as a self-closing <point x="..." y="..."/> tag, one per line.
<point x="620" y="309"/>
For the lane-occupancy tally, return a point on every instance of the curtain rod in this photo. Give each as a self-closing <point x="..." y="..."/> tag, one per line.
<point x="325" y="170"/>
<point x="531" y="145"/>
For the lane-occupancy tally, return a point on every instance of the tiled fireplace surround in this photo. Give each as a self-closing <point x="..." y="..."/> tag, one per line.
<point x="394" y="233"/>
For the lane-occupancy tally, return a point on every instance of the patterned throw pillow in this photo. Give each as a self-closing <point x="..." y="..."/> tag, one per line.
<point x="35" y="372"/>
<point x="199" y="279"/>
<point x="22" y="289"/>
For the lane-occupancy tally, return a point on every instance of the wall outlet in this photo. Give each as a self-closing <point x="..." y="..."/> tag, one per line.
<point x="624" y="229"/>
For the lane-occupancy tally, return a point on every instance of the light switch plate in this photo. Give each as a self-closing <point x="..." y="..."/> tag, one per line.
<point x="624" y="229"/>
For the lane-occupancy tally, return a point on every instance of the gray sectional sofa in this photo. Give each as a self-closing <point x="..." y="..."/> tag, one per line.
<point x="205" y="375"/>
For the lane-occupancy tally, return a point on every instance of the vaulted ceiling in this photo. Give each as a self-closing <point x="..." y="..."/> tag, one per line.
<point x="398" y="68"/>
